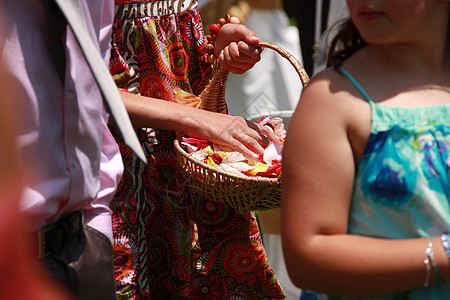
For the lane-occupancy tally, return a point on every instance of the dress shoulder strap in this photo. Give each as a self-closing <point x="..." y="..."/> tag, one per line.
<point x="356" y="84"/>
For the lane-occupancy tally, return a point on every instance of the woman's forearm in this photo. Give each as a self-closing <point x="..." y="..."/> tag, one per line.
<point x="231" y="131"/>
<point x="156" y="113"/>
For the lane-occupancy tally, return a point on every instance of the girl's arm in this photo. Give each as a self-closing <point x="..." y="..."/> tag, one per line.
<point x="326" y="136"/>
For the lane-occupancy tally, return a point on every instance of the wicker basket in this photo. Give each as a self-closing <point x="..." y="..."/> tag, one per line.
<point x="242" y="193"/>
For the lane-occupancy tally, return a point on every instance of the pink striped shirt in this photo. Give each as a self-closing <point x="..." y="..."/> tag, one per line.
<point x="69" y="155"/>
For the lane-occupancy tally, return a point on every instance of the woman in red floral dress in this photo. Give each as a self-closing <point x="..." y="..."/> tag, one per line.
<point x="169" y="242"/>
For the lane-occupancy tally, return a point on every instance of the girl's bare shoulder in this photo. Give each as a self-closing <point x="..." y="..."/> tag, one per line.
<point x="329" y="87"/>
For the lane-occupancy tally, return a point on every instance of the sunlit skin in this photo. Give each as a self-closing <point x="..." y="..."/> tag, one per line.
<point x="401" y="66"/>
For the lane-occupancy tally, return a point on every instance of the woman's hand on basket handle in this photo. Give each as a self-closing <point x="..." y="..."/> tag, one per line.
<point x="233" y="47"/>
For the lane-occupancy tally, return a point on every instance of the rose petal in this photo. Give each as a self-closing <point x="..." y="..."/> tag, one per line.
<point x="241" y="166"/>
<point x="272" y="153"/>
<point x="229" y="169"/>
<point x="277" y="126"/>
<point x="190" y="148"/>
<point x="199" y="155"/>
<point x="259" y="168"/>
<point x="199" y="143"/>
<point x="210" y="161"/>
<point x="234" y="157"/>
<point x="222" y="153"/>
<point x="208" y="150"/>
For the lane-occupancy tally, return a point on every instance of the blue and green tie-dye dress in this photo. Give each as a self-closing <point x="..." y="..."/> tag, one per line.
<point x="402" y="188"/>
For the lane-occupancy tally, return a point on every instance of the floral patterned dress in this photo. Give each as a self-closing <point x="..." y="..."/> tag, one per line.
<point x="402" y="185"/>
<point x="169" y="242"/>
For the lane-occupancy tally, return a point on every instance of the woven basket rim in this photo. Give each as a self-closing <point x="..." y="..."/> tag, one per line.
<point x="304" y="78"/>
<point x="223" y="173"/>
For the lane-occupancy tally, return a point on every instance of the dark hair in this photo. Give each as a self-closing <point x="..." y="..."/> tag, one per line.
<point x="447" y="43"/>
<point x="345" y="43"/>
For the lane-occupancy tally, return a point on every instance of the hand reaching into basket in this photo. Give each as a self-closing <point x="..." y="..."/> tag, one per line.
<point x="232" y="132"/>
<point x="267" y="165"/>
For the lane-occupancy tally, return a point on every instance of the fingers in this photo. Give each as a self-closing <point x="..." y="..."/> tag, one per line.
<point x="242" y="33"/>
<point x="232" y="45"/>
<point x="232" y="60"/>
<point x="234" y="132"/>
<point x="235" y="20"/>
<point x="249" y="50"/>
<point x="249" y="138"/>
<point x="234" y="33"/>
<point x="211" y="58"/>
<point x="268" y="133"/>
<point x="247" y="149"/>
<point x="239" y="57"/>
<point x="231" y="132"/>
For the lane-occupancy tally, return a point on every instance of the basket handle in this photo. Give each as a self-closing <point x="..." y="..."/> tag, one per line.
<point x="304" y="78"/>
<point x="213" y="97"/>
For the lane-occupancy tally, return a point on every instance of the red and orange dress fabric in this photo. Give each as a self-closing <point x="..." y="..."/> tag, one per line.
<point x="170" y="242"/>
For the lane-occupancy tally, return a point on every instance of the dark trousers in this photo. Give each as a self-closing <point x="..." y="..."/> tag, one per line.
<point x="85" y="265"/>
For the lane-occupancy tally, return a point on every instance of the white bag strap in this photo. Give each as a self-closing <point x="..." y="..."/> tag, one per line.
<point x="75" y="18"/>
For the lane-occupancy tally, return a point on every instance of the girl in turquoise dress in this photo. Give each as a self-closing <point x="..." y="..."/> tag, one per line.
<point x="366" y="163"/>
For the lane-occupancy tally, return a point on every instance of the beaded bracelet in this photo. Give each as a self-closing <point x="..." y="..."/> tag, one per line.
<point x="429" y="262"/>
<point x="214" y="32"/>
<point x="445" y="239"/>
